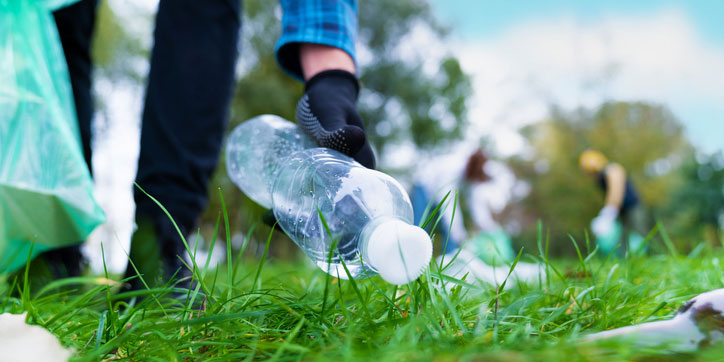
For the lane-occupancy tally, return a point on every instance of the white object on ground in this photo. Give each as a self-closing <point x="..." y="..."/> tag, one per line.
<point x="23" y="342"/>
<point x="399" y="251"/>
<point x="698" y="322"/>
<point x="468" y="263"/>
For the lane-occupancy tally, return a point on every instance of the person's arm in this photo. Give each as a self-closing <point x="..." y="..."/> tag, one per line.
<point x="316" y="58"/>
<point x="616" y="185"/>
<point x="317" y="46"/>
<point x="615" y="190"/>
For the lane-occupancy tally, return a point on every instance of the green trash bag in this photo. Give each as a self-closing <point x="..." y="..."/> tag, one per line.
<point x="45" y="187"/>
<point x="636" y="245"/>
<point x="608" y="242"/>
<point x="492" y="247"/>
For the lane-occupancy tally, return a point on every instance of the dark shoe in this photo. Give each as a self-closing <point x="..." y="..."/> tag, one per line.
<point x="65" y="262"/>
<point x="156" y="253"/>
<point x="144" y="255"/>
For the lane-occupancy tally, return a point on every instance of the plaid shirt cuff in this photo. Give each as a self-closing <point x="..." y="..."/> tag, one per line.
<point x="328" y="22"/>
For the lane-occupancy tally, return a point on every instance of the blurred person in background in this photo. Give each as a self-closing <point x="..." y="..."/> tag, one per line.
<point x="190" y="84"/>
<point x="465" y="177"/>
<point x="622" y="214"/>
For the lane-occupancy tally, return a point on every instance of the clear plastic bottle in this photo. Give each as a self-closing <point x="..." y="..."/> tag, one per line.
<point x="324" y="199"/>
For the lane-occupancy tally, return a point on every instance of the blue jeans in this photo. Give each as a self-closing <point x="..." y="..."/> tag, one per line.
<point x="420" y="201"/>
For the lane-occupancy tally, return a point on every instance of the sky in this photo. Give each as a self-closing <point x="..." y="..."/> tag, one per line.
<point x="524" y="54"/>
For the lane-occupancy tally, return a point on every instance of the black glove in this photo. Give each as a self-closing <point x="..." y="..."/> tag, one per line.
<point x="328" y="114"/>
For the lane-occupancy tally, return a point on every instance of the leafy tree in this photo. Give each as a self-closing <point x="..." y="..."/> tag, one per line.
<point x="646" y="139"/>
<point x="401" y="102"/>
<point x="696" y="210"/>
<point x="115" y="47"/>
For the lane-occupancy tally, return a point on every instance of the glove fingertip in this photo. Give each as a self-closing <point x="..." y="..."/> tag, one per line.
<point x="348" y="140"/>
<point x="366" y="157"/>
<point x="355" y="138"/>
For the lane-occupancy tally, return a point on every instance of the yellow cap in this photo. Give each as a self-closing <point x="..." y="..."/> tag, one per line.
<point x="592" y="161"/>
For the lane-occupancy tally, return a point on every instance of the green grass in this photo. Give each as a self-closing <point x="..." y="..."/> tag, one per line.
<point x="293" y="311"/>
<point x="264" y="309"/>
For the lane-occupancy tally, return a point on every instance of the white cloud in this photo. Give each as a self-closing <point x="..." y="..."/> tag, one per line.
<point x="659" y="58"/>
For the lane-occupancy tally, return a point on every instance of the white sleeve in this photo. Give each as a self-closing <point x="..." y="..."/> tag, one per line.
<point x="479" y="208"/>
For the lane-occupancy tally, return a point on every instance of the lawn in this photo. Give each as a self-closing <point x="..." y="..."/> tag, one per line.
<point x="265" y="309"/>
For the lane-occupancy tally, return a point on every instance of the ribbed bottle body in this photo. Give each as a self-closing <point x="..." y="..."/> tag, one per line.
<point x="320" y="186"/>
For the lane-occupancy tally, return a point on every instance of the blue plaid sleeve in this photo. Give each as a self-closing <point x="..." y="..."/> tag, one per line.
<point x="328" y="22"/>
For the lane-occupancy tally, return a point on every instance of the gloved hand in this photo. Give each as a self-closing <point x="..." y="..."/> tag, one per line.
<point x="328" y="114"/>
<point x="603" y="223"/>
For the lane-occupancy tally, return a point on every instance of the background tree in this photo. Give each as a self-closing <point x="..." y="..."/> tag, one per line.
<point x="695" y="212"/>
<point x="646" y="139"/>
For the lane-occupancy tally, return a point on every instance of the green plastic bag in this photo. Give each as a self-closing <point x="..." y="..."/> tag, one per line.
<point x="608" y="242"/>
<point x="493" y="247"/>
<point x="46" y="192"/>
<point x="636" y="245"/>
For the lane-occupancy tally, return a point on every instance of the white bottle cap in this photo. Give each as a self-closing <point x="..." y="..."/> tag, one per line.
<point x="399" y="252"/>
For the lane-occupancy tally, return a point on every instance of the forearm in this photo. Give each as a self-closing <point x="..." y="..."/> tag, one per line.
<point x="316" y="58"/>
<point x="327" y="111"/>
<point x="616" y="181"/>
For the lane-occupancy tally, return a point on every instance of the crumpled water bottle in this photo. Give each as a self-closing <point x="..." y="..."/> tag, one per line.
<point x="338" y="212"/>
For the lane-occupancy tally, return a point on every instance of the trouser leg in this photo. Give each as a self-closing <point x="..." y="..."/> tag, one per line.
<point x="75" y="28"/>
<point x="419" y="200"/>
<point x="187" y="101"/>
<point x="638" y="221"/>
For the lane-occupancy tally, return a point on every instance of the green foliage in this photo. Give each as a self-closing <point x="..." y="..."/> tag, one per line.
<point x="259" y="310"/>
<point x="696" y="209"/>
<point x="635" y="135"/>
<point x="115" y="47"/>
<point x="400" y="101"/>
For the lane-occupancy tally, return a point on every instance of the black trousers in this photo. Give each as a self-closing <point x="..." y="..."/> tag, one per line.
<point x="187" y="99"/>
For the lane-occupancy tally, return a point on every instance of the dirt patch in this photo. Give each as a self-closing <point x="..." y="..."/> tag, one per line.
<point x="708" y="320"/>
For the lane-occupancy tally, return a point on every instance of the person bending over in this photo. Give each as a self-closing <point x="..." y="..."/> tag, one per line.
<point x="621" y="204"/>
